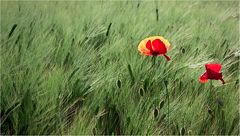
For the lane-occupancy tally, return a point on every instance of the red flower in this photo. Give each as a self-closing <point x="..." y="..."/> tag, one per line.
<point x="154" y="46"/>
<point x="212" y="72"/>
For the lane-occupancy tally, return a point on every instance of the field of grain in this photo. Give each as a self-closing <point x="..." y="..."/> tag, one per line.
<point x="71" y="68"/>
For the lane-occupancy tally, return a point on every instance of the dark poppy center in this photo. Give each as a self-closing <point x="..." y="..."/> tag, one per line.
<point x="154" y="53"/>
<point x="213" y="75"/>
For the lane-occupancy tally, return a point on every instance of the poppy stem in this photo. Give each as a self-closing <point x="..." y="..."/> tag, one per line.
<point x="223" y="82"/>
<point x="153" y="60"/>
<point x="168" y="59"/>
<point x="168" y="103"/>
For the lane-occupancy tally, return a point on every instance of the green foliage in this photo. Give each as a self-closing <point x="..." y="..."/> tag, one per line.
<point x="74" y="68"/>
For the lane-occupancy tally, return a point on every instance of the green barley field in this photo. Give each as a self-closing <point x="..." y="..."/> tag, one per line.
<point x="72" y="68"/>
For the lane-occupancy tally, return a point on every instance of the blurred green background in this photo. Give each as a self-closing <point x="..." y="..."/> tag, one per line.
<point x="74" y="68"/>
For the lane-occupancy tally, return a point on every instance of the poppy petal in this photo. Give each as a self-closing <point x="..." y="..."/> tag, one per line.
<point x="149" y="45"/>
<point x="203" y="78"/>
<point x="159" y="46"/>
<point x="166" y="43"/>
<point x="213" y="67"/>
<point x="142" y="48"/>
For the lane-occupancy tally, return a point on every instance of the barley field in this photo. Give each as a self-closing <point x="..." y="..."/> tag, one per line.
<point x="73" y="68"/>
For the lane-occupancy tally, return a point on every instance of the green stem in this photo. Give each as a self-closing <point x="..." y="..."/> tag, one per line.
<point x="153" y="60"/>
<point x="167" y="95"/>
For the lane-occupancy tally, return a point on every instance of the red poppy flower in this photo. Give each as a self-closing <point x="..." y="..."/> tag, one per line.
<point x="154" y="46"/>
<point x="212" y="72"/>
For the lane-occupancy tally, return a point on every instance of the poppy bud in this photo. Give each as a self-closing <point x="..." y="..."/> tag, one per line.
<point x="183" y="50"/>
<point x="119" y="83"/>
<point x="237" y="82"/>
<point x="155" y="112"/>
<point x="182" y="131"/>
<point x="210" y="111"/>
<point x="141" y="91"/>
<point x="161" y="104"/>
